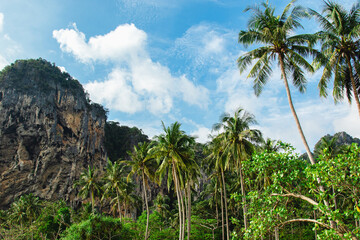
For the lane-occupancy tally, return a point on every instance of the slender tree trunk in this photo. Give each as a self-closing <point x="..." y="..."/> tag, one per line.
<point x="299" y="127"/>
<point x="179" y="204"/>
<point x="243" y="197"/>
<point x="356" y="95"/>
<point x="189" y="211"/>
<point x="183" y="213"/>
<point x="147" y="208"/>
<point x="222" y="212"/>
<point x="294" y="112"/>
<point x="226" y="208"/>
<point x="118" y="202"/>
<point x="217" y="210"/>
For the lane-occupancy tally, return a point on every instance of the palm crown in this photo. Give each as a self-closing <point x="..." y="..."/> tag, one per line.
<point x="340" y="42"/>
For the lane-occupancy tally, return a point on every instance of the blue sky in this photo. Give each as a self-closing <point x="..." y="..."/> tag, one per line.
<point x="149" y="61"/>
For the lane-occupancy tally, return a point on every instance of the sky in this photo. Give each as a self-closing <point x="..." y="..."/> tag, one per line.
<point x="148" y="61"/>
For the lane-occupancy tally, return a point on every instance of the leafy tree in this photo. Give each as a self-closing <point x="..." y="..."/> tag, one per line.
<point x="285" y="191"/>
<point x="98" y="227"/>
<point x="276" y="33"/>
<point x="339" y="40"/>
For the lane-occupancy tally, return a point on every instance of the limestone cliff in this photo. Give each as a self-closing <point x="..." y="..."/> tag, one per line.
<point x="49" y="132"/>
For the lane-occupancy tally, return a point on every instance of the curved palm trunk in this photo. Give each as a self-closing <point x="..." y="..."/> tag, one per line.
<point x="118" y="202"/>
<point x="222" y="212"/>
<point x="226" y="208"/>
<point x="294" y="112"/>
<point x="179" y="204"/>
<point x="356" y="96"/>
<point x="147" y="208"/>
<point x="183" y="213"/>
<point x="300" y="129"/>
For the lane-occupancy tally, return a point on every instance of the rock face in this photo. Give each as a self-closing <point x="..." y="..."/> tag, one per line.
<point x="49" y="132"/>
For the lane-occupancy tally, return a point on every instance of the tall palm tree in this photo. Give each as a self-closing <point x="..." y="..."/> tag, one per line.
<point x="140" y="164"/>
<point x="115" y="182"/>
<point x="237" y="140"/>
<point x="174" y="153"/>
<point x="340" y="43"/>
<point x="192" y="173"/>
<point x="216" y="161"/>
<point x="89" y="183"/>
<point x="276" y="33"/>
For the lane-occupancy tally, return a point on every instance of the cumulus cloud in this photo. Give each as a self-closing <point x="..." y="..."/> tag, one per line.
<point x="115" y="93"/>
<point x="136" y="82"/>
<point x="126" y="41"/>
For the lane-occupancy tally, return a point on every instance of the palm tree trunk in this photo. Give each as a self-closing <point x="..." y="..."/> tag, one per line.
<point x="189" y="211"/>
<point x="147" y="207"/>
<point x="216" y="209"/>
<point x="356" y="95"/>
<point x="300" y="129"/>
<point x="222" y="212"/>
<point x="226" y="208"/>
<point x="118" y="202"/>
<point x="183" y="214"/>
<point x="179" y="204"/>
<point x="294" y="112"/>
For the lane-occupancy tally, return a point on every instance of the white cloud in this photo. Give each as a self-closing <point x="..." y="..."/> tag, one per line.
<point x="126" y="41"/>
<point x="1" y="21"/>
<point x="115" y="93"/>
<point x="136" y="82"/>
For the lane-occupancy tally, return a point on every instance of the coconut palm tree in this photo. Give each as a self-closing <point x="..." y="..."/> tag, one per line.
<point x="174" y="152"/>
<point x="276" y="34"/>
<point x="216" y="161"/>
<point x="237" y="144"/>
<point x="192" y="173"/>
<point x="340" y="43"/>
<point x="115" y="182"/>
<point x="142" y="166"/>
<point x="89" y="183"/>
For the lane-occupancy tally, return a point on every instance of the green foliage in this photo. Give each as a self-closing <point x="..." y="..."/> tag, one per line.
<point x="38" y="74"/>
<point x="121" y="139"/>
<point x="98" y="227"/>
<point x="285" y="195"/>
